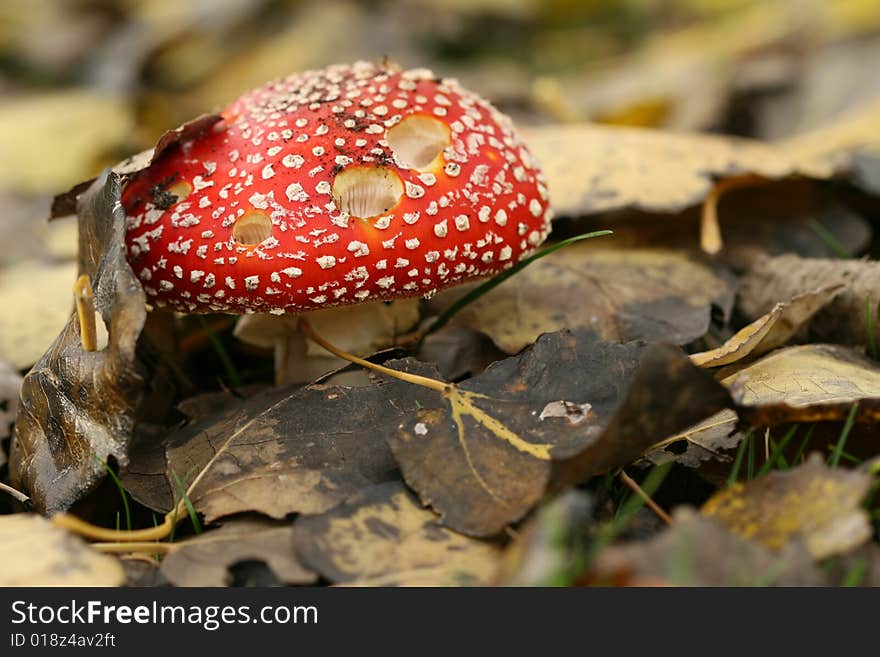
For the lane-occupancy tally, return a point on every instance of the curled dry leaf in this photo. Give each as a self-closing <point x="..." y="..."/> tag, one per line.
<point x="808" y="383"/>
<point x="280" y="452"/>
<point x="205" y="559"/>
<point x="383" y="537"/>
<point x="622" y="295"/>
<point x="77" y="407"/>
<point x="33" y="552"/>
<point x="705" y="441"/>
<point x="699" y="551"/>
<point x="843" y="320"/>
<point x="811" y="502"/>
<point x="569" y="407"/>
<point x="769" y="331"/>
<point x="591" y="169"/>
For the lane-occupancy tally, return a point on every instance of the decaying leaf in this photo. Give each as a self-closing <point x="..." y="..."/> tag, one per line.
<point x="843" y="320"/>
<point x="811" y="502"/>
<point x="205" y="559"/>
<point x="621" y="294"/>
<point x="807" y="383"/>
<point x="704" y="441"/>
<point x="769" y="331"/>
<point x="765" y="218"/>
<point x="593" y="169"/>
<point x="383" y="537"/>
<point x="483" y="453"/>
<point x="77" y="407"/>
<point x="33" y="552"/>
<point x="699" y="551"/>
<point x="284" y="451"/>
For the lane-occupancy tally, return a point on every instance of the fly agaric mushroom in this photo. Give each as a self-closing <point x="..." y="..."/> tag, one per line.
<point x="336" y="186"/>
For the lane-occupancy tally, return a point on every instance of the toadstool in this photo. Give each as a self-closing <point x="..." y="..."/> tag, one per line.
<point x="335" y="186"/>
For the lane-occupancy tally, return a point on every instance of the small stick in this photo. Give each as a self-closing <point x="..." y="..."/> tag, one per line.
<point x="424" y="381"/>
<point x="634" y="487"/>
<point x="85" y="311"/>
<point x="95" y="533"/>
<point x="710" y="230"/>
<point x="17" y="494"/>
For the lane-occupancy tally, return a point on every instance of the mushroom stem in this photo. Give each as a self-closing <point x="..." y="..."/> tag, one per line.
<point x="147" y="547"/>
<point x="87" y="530"/>
<point x="424" y="381"/>
<point x="710" y="230"/>
<point x="85" y="311"/>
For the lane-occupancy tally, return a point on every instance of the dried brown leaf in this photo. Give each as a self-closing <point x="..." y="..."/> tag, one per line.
<point x="769" y="331"/>
<point x="483" y="453"/>
<point x="699" y="551"/>
<point x="205" y="559"/>
<point x="783" y="277"/>
<point x="807" y="383"/>
<point x="280" y="452"/>
<point x="621" y="294"/>
<point x="811" y="502"/>
<point x="33" y="552"/>
<point x="77" y="407"/>
<point x="383" y="537"/>
<point x="593" y="169"/>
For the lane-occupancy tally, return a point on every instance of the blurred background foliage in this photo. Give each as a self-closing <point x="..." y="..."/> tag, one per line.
<point x="86" y="82"/>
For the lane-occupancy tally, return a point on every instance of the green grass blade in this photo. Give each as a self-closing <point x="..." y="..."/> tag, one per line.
<point x="803" y="446"/>
<point x="122" y="493"/>
<point x="497" y="280"/>
<point x="778" y="449"/>
<point x="737" y="463"/>
<point x="222" y="354"/>
<point x="750" y="461"/>
<point x="856" y="574"/>
<point x="834" y="459"/>
<point x="829" y="240"/>
<point x="193" y="516"/>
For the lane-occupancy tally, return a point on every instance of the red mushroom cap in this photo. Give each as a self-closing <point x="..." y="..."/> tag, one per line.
<point x="336" y="186"/>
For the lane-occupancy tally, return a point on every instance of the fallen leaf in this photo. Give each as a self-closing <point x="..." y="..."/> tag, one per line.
<point x="705" y="441"/>
<point x="591" y="169"/>
<point x="77" y="408"/>
<point x="623" y="295"/>
<point x="283" y="451"/>
<point x="843" y="320"/>
<point x="700" y="551"/>
<point x="33" y="552"/>
<point x="810" y="502"/>
<point x="383" y="537"/>
<point x="808" y="383"/>
<point x="483" y="453"/>
<point x="769" y="331"/>
<point x="205" y="559"/>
